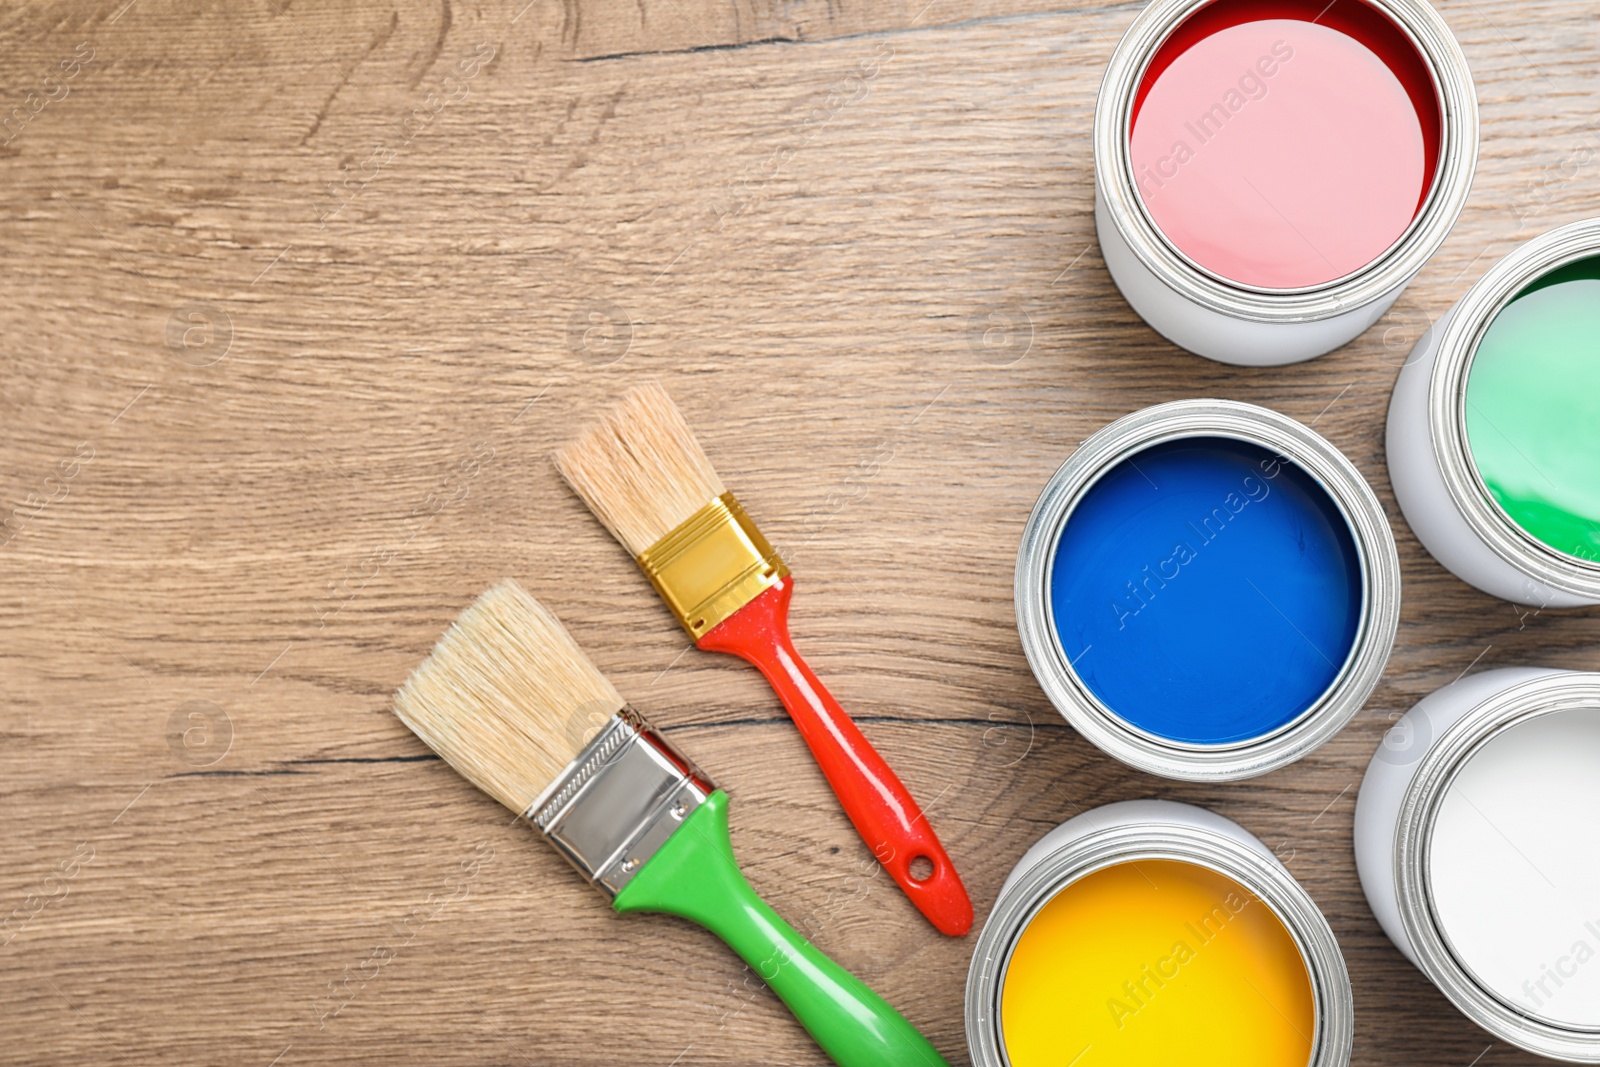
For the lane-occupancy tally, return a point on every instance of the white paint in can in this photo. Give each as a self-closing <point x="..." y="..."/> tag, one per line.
<point x="1477" y="839"/>
<point x="1515" y="863"/>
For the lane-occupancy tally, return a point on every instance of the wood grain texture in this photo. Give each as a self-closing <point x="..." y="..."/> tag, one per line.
<point x="303" y="296"/>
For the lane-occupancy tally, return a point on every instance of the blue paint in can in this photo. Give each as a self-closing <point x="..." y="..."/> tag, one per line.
<point x="1206" y="590"/>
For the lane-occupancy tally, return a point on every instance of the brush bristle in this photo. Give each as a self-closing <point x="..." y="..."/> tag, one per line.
<point x="507" y="697"/>
<point x="640" y="469"/>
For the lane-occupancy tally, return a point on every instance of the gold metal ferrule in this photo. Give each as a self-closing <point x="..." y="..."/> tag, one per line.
<point x="714" y="563"/>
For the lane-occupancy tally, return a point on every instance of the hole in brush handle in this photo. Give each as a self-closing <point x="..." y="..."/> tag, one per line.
<point x="929" y="880"/>
<point x="879" y="805"/>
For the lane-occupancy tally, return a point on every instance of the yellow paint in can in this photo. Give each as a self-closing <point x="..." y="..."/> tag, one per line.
<point x="1157" y="962"/>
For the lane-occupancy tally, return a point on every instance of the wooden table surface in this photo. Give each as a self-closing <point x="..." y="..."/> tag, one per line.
<point x="298" y="300"/>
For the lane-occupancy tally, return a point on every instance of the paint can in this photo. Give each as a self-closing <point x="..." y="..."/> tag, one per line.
<point x="1156" y="932"/>
<point x="1474" y="838"/>
<point x="1268" y="177"/>
<point x="1207" y="590"/>
<point x="1494" y="426"/>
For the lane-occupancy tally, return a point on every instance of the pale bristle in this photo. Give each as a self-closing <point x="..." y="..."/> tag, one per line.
<point x="507" y="697"/>
<point x="640" y="469"/>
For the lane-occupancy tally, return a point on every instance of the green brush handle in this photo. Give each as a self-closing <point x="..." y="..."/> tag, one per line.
<point x="694" y="876"/>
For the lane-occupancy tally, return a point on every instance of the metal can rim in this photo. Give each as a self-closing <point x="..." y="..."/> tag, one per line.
<point x="1262" y="875"/>
<point x="1458" y="344"/>
<point x="1413" y="838"/>
<point x="1458" y="155"/>
<point x="1375" y="549"/>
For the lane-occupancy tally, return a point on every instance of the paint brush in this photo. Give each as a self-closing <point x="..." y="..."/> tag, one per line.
<point x="510" y="701"/>
<point x="644" y="475"/>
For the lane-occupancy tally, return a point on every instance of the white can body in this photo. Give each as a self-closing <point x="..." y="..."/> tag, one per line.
<point x="1155" y="829"/>
<point x="1401" y="794"/>
<point x="1437" y="488"/>
<point x="1298" y="444"/>
<point x="1248" y="325"/>
<point x="1215" y="334"/>
<point x="1390" y="775"/>
<point x="1131" y="813"/>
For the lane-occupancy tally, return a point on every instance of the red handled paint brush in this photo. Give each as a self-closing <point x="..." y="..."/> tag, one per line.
<point x="645" y="477"/>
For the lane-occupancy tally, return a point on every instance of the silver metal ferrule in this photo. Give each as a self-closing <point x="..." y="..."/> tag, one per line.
<point x="615" y="805"/>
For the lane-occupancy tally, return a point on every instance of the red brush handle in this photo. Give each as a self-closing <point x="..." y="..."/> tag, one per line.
<point x="879" y="805"/>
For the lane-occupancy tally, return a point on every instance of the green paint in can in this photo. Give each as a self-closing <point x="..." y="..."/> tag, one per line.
<point x="1533" y="409"/>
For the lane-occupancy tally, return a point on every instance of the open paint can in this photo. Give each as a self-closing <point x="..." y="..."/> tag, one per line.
<point x="1494" y="427"/>
<point x="1269" y="174"/>
<point x="1475" y="838"/>
<point x="1207" y="590"/>
<point x="1156" y="933"/>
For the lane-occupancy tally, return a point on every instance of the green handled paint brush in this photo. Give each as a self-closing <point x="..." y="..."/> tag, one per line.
<point x="510" y="701"/>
